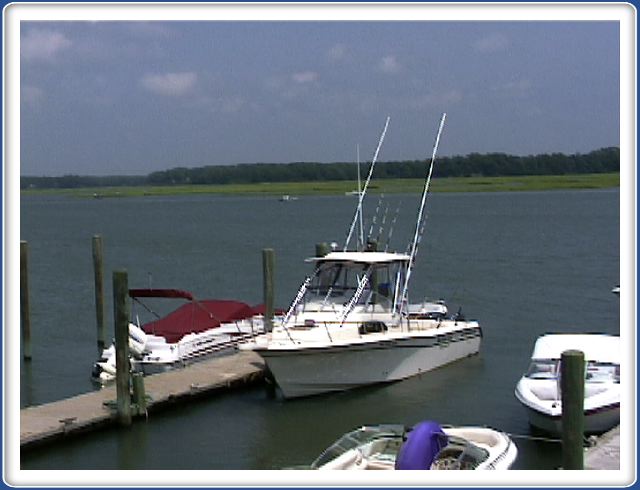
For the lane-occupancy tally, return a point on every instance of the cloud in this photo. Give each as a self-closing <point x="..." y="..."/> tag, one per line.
<point x="43" y="45"/>
<point x="304" y="77"/>
<point x="491" y="44"/>
<point x="171" y="84"/>
<point x="389" y="64"/>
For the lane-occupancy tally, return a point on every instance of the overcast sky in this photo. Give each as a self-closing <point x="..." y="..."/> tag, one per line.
<point x="102" y="98"/>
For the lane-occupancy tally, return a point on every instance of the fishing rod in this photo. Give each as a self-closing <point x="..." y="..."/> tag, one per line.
<point x="374" y="220"/>
<point x="366" y="185"/>
<point x="419" y="221"/>
<point x="382" y="223"/>
<point x="393" y="222"/>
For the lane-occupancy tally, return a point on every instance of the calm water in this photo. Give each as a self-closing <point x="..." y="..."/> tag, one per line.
<point x="521" y="263"/>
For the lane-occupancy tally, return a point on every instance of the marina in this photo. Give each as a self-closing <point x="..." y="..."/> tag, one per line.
<point x="509" y="331"/>
<point x="233" y="271"/>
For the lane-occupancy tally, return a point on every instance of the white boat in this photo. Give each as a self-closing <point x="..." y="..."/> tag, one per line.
<point x="426" y="446"/>
<point x="350" y="323"/>
<point x="287" y="197"/>
<point x="196" y="330"/>
<point x="539" y="389"/>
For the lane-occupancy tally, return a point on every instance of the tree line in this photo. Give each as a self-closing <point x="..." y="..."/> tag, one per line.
<point x="473" y="165"/>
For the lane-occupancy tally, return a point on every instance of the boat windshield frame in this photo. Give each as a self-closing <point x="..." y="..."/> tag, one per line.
<point x="357" y="438"/>
<point x="335" y="282"/>
<point x="595" y="371"/>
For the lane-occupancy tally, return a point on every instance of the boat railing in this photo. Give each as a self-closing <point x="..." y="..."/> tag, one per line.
<point x="356" y="296"/>
<point x="295" y="302"/>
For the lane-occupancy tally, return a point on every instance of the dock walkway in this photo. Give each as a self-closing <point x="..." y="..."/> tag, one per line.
<point x="43" y="423"/>
<point x="605" y="455"/>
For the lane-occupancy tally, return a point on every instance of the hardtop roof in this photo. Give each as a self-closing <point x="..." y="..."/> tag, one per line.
<point x="362" y="257"/>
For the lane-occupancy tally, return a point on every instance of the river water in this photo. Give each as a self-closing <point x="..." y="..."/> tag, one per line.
<point x="521" y="263"/>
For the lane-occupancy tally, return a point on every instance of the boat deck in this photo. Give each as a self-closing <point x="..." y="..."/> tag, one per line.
<point x="43" y="423"/>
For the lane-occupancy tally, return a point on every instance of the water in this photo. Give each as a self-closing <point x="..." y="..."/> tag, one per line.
<point x="521" y="263"/>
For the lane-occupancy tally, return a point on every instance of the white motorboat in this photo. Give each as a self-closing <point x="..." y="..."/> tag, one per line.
<point x="196" y="330"/>
<point x="287" y="197"/>
<point x="350" y="323"/>
<point x="426" y="446"/>
<point x="539" y="389"/>
<point x="347" y="330"/>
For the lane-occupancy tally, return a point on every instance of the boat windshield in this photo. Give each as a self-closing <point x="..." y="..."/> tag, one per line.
<point x="595" y="372"/>
<point x="543" y="369"/>
<point x="602" y="372"/>
<point x="336" y="282"/>
<point x="361" y="437"/>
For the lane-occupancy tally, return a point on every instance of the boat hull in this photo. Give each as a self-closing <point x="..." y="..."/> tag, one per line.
<point x="337" y="367"/>
<point x="596" y="421"/>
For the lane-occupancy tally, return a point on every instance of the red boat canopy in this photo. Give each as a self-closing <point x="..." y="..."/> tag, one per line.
<point x="160" y="293"/>
<point x="198" y="316"/>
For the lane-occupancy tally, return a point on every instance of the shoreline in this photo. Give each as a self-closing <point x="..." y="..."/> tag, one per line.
<point x="386" y="186"/>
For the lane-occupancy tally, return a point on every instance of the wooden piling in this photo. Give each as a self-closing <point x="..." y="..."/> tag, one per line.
<point x="572" y="387"/>
<point x="139" y="394"/>
<point x="121" y="318"/>
<point x="322" y="249"/>
<point x="268" y="271"/>
<point x="99" y="289"/>
<point x="24" y="300"/>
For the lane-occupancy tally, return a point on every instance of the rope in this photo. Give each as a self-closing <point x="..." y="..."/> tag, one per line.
<point x="586" y="441"/>
<point x="534" y="438"/>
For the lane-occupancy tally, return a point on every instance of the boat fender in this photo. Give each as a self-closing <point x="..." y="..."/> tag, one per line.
<point x="136" y="333"/>
<point x="136" y="348"/>
<point x="423" y="444"/>
<point x="107" y="367"/>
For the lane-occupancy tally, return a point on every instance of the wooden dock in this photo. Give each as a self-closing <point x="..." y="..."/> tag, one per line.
<point x="605" y="455"/>
<point x="51" y="421"/>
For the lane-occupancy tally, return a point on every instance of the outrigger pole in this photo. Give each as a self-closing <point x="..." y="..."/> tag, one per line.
<point x="364" y="189"/>
<point x="360" y="192"/>
<point x="419" y="224"/>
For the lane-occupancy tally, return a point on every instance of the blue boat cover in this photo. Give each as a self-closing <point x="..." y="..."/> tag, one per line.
<point x="423" y="444"/>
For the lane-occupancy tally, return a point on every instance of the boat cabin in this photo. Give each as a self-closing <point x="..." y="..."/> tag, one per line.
<point x="370" y="278"/>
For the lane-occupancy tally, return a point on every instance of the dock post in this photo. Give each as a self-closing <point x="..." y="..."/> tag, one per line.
<point x="99" y="288"/>
<point x="121" y="317"/>
<point x="139" y="395"/>
<point x="268" y="270"/>
<point x="24" y="301"/>
<point x="322" y="249"/>
<point x="572" y="387"/>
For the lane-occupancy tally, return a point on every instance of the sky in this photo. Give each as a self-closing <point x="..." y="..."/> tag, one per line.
<point x="130" y="98"/>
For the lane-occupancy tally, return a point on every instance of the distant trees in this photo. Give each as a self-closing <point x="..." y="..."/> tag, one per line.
<point x="474" y="164"/>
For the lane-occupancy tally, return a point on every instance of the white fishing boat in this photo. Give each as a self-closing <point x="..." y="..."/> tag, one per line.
<point x="426" y="446"/>
<point x="539" y="389"/>
<point x="350" y="323"/>
<point x="196" y="330"/>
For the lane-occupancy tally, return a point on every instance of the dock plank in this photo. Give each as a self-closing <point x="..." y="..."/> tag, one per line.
<point x="49" y="421"/>
<point x="605" y="455"/>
